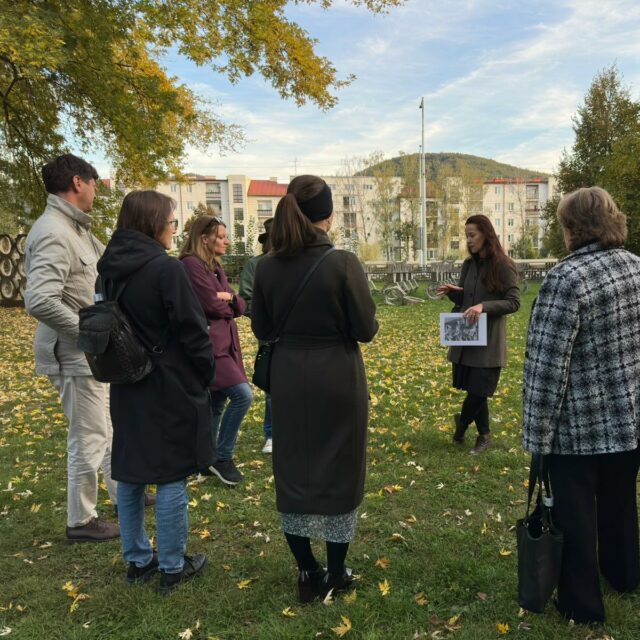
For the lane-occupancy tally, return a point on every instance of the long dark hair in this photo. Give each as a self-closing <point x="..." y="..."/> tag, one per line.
<point x="291" y="230"/>
<point x="494" y="253"/>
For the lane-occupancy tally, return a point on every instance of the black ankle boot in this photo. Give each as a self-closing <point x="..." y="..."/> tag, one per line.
<point x="309" y="584"/>
<point x="336" y="582"/>
<point x="458" y="436"/>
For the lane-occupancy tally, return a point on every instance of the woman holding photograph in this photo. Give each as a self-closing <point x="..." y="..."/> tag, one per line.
<point x="488" y="284"/>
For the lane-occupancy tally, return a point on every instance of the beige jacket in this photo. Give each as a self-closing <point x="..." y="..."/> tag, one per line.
<point x="60" y="261"/>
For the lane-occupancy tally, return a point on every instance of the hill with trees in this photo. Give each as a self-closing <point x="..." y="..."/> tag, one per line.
<point x="406" y="165"/>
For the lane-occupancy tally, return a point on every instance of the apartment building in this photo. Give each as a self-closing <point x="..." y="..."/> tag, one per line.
<point x="516" y="208"/>
<point x="366" y="211"/>
<point x="208" y="190"/>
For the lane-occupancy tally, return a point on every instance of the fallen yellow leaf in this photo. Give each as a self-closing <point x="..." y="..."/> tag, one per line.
<point x="342" y="629"/>
<point x="503" y="628"/>
<point x="384" y="587"/>
<point x="383" y="562"/>
<point x="505" y="552"/>
<point x="288" y="613"/>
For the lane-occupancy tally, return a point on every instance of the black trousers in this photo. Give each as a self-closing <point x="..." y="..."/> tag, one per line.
<point x="595" y="508"/>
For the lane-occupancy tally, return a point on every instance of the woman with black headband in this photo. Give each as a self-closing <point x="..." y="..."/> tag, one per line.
<point x="318" y="383"/>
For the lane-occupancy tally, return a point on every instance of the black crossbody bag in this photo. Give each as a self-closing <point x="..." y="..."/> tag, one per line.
<point x="262" y="365"/>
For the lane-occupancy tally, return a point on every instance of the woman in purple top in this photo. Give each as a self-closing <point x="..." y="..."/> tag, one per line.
<point x="200" y="255"/>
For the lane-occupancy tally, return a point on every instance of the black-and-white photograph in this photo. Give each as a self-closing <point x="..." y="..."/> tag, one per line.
<point x="456" y="330"/>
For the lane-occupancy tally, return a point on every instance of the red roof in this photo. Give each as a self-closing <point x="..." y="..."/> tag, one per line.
<point x="266" y="188"/>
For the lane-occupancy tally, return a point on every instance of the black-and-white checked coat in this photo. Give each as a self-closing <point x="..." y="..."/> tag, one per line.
<point x="582" y="364"/>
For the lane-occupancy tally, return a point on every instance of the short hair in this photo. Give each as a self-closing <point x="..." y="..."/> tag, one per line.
<point x="591" y="215"/>
<point x="58" y="173"/>
<point x="146" y="211"/>
<point x="193" y="245"/>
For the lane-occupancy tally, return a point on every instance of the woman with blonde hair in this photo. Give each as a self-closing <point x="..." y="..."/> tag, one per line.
<point x="206" y="243"/>
<point x="582" y="400"/>
<point x="317" y="300"/>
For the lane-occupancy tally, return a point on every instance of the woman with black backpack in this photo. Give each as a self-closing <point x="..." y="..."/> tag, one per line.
<point x="162" y="423"/>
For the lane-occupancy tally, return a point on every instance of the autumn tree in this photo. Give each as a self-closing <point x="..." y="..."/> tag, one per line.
<point x="604" y="153"/>
<point x="92" y="73"/>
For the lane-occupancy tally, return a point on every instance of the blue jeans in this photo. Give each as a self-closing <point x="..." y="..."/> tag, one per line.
<point x="172" y="521"/>
<point x="225" y="431"/>
<point x="267" y="415"/>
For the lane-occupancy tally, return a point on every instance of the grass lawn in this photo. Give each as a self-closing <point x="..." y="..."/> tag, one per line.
<point x="435" y="546"/>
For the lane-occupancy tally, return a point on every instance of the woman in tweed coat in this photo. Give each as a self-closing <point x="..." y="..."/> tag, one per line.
<point x="582" y="400"/>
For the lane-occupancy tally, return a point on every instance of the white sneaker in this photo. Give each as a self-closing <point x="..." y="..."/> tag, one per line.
<point x="268" y="446"/>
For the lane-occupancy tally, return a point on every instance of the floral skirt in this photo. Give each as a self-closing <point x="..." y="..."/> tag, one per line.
<point x="339" y="528"/>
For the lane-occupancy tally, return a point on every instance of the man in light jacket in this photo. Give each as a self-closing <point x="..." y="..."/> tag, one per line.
<point x="60" y="260"/>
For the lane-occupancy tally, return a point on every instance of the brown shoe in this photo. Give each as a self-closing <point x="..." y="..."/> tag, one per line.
<point x="149" y="499"/>
<point x="95" y="530"/>
<point x="458" y="436"/>
<point x="483" y="442"/>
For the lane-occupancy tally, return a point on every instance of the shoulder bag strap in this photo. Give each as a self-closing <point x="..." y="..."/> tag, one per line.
<point x="104" y="286"/>
<point x="296" y="295"/>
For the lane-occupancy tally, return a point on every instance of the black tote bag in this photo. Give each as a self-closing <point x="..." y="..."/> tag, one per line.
<point x="539" y="544"/>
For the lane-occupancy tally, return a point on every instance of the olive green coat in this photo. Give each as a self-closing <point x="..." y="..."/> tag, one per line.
<point x="496" y="304"/>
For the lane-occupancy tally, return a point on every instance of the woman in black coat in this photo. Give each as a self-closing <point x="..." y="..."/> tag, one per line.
<point x="318" y="384"/>
<point x="161" y="424"/>
<point x="488" y="284"/>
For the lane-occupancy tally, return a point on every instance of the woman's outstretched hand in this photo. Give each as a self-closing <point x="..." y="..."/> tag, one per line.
<point x="445" y="289"/>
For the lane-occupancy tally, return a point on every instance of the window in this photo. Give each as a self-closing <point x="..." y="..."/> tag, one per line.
<point x="237" y="193"/>
<point x="213" y="189"/>
<point x="368" y="187"/>
<point x="349" y="219"/>
<point x="497" y="222"/>
<point x="511" y="206"/>
<point x="265" y="207"/>
<point x="532" y="192"/>
<point x="238" y="214"/>
<point x="189" y="188"/>
<point x="496" y="190"/>
<point x="238" y="232"/>
<point x="497" y="206"/>
<point x="510" y="222"/>
<point x="190" y="206"/>
<point x="510" y="237"/>
<point x="174" y="187"/>
<point x="348" y="202"/>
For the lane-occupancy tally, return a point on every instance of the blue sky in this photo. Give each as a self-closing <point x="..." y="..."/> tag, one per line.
<point x="500" y="79"/>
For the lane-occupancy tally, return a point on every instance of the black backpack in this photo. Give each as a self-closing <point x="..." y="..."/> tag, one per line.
<point x="114" y="351"/>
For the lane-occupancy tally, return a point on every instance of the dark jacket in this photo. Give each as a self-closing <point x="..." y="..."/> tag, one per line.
<point x="220" y="315"/>
<point x="318" y="383"/>
<point x="162" y="424"/>
<point x="246" y="281"/>
<point x="496" y="304"/>
<point x="582" y="366"/>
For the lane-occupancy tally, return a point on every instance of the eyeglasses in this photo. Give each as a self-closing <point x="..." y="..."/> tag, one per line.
<point x="173" y="223"/>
